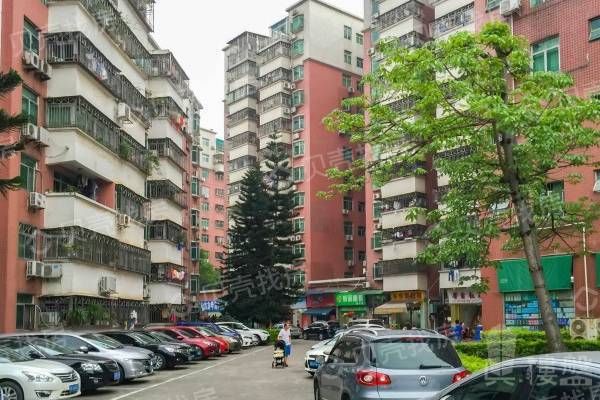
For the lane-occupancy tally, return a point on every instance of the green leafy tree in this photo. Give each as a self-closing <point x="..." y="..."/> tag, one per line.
<point x="9" y="123"/>
<point x="513" y="130"/>
<point x="208" y="276"/>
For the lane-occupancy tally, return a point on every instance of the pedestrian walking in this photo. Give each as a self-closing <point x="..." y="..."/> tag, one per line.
<point x="458" y="331"/>
<point x="132" y="319"/>
<point x="286" y="335"/>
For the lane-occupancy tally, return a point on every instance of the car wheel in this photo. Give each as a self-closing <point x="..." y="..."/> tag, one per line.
<point x="10" y="391"/>
<point x="305" y="336"/>
<point x="121" y="375"/>
<point x="161" y="362"/>
<point x="321" y="336"/>
<point x="317" y="392"/>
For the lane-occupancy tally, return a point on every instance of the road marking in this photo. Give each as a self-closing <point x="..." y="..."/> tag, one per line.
<point x="176" y="378"/>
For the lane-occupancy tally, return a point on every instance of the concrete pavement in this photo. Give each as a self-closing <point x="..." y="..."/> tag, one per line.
<point x="246" y="375"/>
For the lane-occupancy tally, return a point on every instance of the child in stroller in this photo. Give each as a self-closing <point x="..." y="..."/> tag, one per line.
<point x="278" y="354"/>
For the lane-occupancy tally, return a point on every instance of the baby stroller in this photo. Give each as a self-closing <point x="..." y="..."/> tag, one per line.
<point x="278" y="354"/>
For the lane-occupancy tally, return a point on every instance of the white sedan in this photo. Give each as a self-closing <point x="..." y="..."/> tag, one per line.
<point x="24" y="378"/>
<point x="260" y="335"/>
<point x="316" y="355"/>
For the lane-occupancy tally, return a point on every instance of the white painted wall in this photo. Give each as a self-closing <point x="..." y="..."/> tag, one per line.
<point x="405" y="282"/>
<point x="162" y="128"/>
<point x="403" y="249"/>
<point x="162" y="209"/>
<point x="162" y="87"/>
<point x="276" y="63"/>
<point x="246" y="126"/>
<point x="409" y="184"/>
<point x="165" y="293"/>
<point x="165" y="252"/>
<point x="392" y="219"/>
<point x="444" y="7"/>
<point x="242" y="151"/>
<point x="247" y="102"/>
<point x="168" y="170"/>
<point x="270" y="90"/>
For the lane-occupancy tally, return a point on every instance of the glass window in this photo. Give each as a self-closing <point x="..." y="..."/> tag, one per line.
<point x="377" y="209"/>
<point x="536" y="2"/>
<point x="28" y="166"/>
<point x="491" y="4"/>
<point x="298" y="72"/>
<point x="195" y="251"/>
<point x="297" y="23"/>
<point x="359" y="62"/>
<point x="361" y="231"/>
<point x="298" y="250"/>
<point x="205" y="207"/>
<point x="31" y="37"/>
<point x="205" y="143"/>
<point x="556" y="189"/>
<point x="27" y="241"/>
<point x="545" y="55"/>
<point x="298" y="174"/>
<point x="415" y="353"/>
<point x="299" y="199"/>
<point x="499" y="384"/>
<point x="205" y="173"/>
<point x="298" y="123"/>
<point x="298" y="97"/>
<point x="205" y="223"/>
<point x="348" y="228"/>
<point x="595" y="29"/>
<point x="205" y="191"/>
<point x="298" y="148"/>
<point x="298" y="225"/>
<point x="29" y="103"/>
<point x="205" y="238"/>
<point x="362" y="256"/>
<point x="564" y="383"/>
<point x="195" y="217"/>
<point x="220" y="192"/>
<point x="219" y="224"/>
<point x="347" y="57"/>
<point x="359" y="38"/>
<point x="195" y="186"/>
<point x="348" y="203"/>
<point x="297" y="48"/>
<point x="220" y="176"/>
<point x="205" y="158"/>
<point x="361" y="206"/>
<point x="346" y="80"/>
<point x="347" y="154"/>
<point x="195" y="154"/>
<point x="348" y="253"/>
<point x="347" y="32"/>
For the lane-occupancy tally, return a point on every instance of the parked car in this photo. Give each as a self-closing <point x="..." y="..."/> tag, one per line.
<point x="133" y="363"/>
<point x="260" y="334"/>
<point x="295" y="332"/>
<point x="549" y="376"/>
<point x="209" y="347"/>
<point x="319" y="330"/>
<point x="167" y="355"/>
<point x="316" y="355"/>
<point x="214" y="328"/>
<point x="23" y="378"/>
<point x="198" y="332"/>
<point x="246" y="337"/>
<point x="365" y="321"/>
<point x="195" y="350"/>
<point x="94" y="371"/>
<point x="387" y="364"/>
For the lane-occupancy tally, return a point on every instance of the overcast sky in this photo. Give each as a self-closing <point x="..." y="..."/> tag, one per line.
<point x="197" y="30"/>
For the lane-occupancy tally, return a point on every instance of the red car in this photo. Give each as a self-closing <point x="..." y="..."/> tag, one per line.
<point x="223" y="344"/>
<point x="210" y="348"/>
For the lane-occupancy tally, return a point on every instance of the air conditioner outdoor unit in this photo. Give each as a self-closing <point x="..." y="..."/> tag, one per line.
<point x="123" y="220"/>
<point x="584" y="328"/>
<point x="30" y="131"/>
<point x="345" y="211"/>
<point x="147" y="293"/>
<point x="293" y="110"/>
<point x="296" y="135"/>
<point x="123" y="112"/>
<point x="52" y="271"/>
<point x="31" y="60"/>
<point x="349" y="238"/>
<point x="37" y="201"/>
<point x="289" y="86"/>
<point x="350" y="263"/>
<point x="287" y="110"/>
<point x="35" y="269"/>
<point x="351" y="90"/>
<point x="377" y="196"/>
<point x="293" y="36"/>
<point x="379" y="227"/>
<point x="108" y="285"/>
<point x="43" y="136"/>
<point x="298" y="238"/>
<point x="45" y="72"/>
<point x="509" y="7"/>
<point x="372" y="51"/>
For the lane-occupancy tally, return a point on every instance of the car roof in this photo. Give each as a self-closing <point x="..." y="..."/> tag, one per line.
<point x="374" y="333"/>
<point x="588" y="357"/>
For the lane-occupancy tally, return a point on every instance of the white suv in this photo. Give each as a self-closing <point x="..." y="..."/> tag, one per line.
<point x="261" y="335"/>
<point x="24" y="378"/>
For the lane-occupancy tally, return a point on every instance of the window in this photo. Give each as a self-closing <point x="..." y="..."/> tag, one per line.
<point x="361" y="206"/>
<point x="377" y="210"/>
<point x="195" y="217"/>
<point x="361" y="231"/>
<point x="31" y="37"/>
<point x="196" y="122"/>
<point x="298" y="72"/>
<point x="205" y="173"/>
<point x="206" y="143"/>
<point x="556" y="189"/>
<point x="502" y="384"/>
<point x="220" y="176"/>
<point x="347" y="80"/>
<point x="27" y="241"/>
<point x="298" y="250"/>
<point x="205" y="192"/>
<point x="205" y="223"/>
<point x="362" y="256"/>
<point x="348" y="228"/>
<point x="348" y="203"/>
<point x="298" y="174"/>
<point x="348" y="253"/>
<point x="195" y="186"/>
<point x="205" y="207"/>
<point x="29" y="104"/>
<point x="205" y="158"/>
<point x="298" y="23"/>
<point x="491" y="4"/>
<point x="564" y="383"/>
<point x="347" y="57"/>
<point x="595" y="29"/>
<point x="219" y="224"/>
<point x="297" y="48"/>
<point x="298" y="148"/>
<point x="27" y="176"/>
<point x="347" y="32"/>
<point x="359" y="62"/>
<point x="195" y="154"/>
<point x="299" y="199"/>
<point x="298" y="98"/>
<point x="204" y="238"/>
<point x="298" y="225"/>
<point x="220" y="208"/>
<point x="220" y="240"/>
<point x="359" y="38"/>
<point x="347" y="154"/>
<point x="298" y="123"/>
<point x="220" y="192"/>
<point x="545" y="55"/>
<point x="535" y="3"/>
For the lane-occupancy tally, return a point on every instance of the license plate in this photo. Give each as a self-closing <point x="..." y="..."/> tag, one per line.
<point x="313" y="364"/>
<point x="117" y="376"/>
<point x="73" y="388"/>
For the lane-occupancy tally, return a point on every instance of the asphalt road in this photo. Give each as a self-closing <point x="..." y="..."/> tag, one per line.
<point x="245" y="375"/>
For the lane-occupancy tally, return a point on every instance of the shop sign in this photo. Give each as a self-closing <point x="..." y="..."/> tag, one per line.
<point x="211" y="306"/>
<point x="463" y="296"/>
<point x="409" y="295"/>
<point x="349" y="299"/>
<point x="320" y="300"/>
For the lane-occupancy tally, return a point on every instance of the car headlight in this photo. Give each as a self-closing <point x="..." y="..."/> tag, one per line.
<point x="170" y="349"/>
<point x="91" y="367"/>
<point x="37" y="377"/>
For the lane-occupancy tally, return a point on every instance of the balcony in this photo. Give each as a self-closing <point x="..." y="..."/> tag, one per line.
<point x="165" y="272"/>
<point x="165" y="189"/>
<point x="76" y="48"/>
<point x="280" y="74"/>
<point x="451" y="278"/>
<point x="275" y="37"/>
<point x="132" y="204"/>
<point x="77" y="112"/>
<point x="453" y="154"/>
<point x="248" y="68"/>
<point x="145" y="10"/>
<point x="408" y="248"/>
<point x="453" y="20"/>
<point x="407" y="10"/>
<point x="407" y="186"/>
<point x="399" y="218"/>
<point x="278" y="49"/>
<point x="74" y="243"/>
<point x="166" y="230"/>
<point x="247" y="114"/>
<point x="407" y="200"/>
<point x="378" y="271"/>
<point x="166" y="66"/>
<point x="284" y="147"/>
<point x="275" y="126"/>
<point x="411" y="40"/>
<point x="167" y="148"/>
<point x="246" y="91"/>
<point x="402" y="266"/>
<point x="242" y="162"/>
<point x="278" y="100"/>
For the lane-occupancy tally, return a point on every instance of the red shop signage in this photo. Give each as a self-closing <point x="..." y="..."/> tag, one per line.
<point x="320" y="300"/>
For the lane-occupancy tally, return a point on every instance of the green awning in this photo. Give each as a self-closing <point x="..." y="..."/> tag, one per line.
<point x="353" y="308"/>
<point x="371" y="292"/>
<point x="513" y="275"/>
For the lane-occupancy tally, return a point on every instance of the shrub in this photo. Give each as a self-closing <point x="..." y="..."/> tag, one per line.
<point x="273" y="333"/>
<point x="474" y="363"/>
<point x="520" y="347"/>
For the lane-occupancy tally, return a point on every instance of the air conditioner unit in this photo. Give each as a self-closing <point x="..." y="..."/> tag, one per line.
<point x="35" y="269"/>
<point x="379" y="227"/>
<point x="123" y="220"/>
<point x="289" y="86"/>
<point x="43" y="136"/>
<point x="345" y="211"/>
<point x="350" y="263"/>
<point x="204" y="228"/>
<point x="31" y="60"/>
<point x="108" y="285"/>
<point x="297" y="238"/>
<point x="509" y="7"/>
<point x="123" y="112"/>
<point x="147" y="293"/>
<point x="377" y="196"/>
<point x="351" y="90"/>
<point x="584" y="328"/>
<point x="293" y="109"/>
<point x="52" y="271"/>
<point x="287" y="110"/>
<point x="296" y="135"/>
<point x="349" y="238"/>
<point x="45" y="71"/>
<point x="293" y="36"/>
<point x="30" y="131"/>
<point x="372" y="51"/>
<point x="37" y="201"/>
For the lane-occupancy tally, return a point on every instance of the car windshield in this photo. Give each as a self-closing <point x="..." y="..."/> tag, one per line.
<point x="185" y="333"/>
<point x="414" y="353"/>
<point x="19" y="346"/>
<point x="205" y="332"/>
<point x="192" y="333"/>
<point x="142" y="338"/>
<point x="9" y="356"/>
<point x="227" y="329"/>
<point x="148" y="336"/>
<point x="49" y="348"/>
<point x="161" y="336"/>
<point x="102" y="341"/>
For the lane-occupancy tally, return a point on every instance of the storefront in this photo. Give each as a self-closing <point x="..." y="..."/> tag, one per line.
<point x="319" y="307"/>
<point x="211" y="308"/>
<point x="465" y="306"/>
<point x="521" y="306"/>
<point x="350" y="305"/>
<point x="404" y="308"/>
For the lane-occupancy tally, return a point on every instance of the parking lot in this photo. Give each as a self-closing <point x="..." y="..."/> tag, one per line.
<point x="245" y="375"/>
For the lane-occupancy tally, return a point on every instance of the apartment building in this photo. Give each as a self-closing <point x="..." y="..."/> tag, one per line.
<point x="101" y="221"/>
<point x="284" y="84"/>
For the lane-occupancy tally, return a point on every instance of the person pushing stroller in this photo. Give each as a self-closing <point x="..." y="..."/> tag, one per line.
<point x="286" y="337"/>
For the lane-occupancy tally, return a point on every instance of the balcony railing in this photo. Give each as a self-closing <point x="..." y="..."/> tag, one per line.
<point x="454" y="154"/>
<point x="109" y="18"/>
<point x="165" y="147"/>
<point x="398" y="14"/>
<point x="165" y="65"/>
<point x="242" y="162"/>
<point x="248" y="114"/>
<point x="278" y="100"/>
<point x="275" y="126"/>
<point x="378" y="271"/>
<point x="402" y="266"/>
<point x="402" y="104"/>
<point x="166" y="230"/>
<point x="241" y="93"/>
<point x="76" y="243"/>
<point x="170" y="273"/>
<point x="75" y="47"/>
<point x="77" y="112"/>
<point x="165" y="189"/>
<point x="455" y="19"/>
<point x="411" y="40"/>
<point x="145" y="10"/>
<point x="279" y="49"/>
<point x="404" y="233"/>
<point x="248" y="68"/>
<point x="403" y="201"/>
<point x="286" y="148"/>
<point x="275" y="37"/>
<point x="244" y="139"/>
<point x="166" y="107"/>
<point x="280" y="74"/>
<point x="132" y="204"/>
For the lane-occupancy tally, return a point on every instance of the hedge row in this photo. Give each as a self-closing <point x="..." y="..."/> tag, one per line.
<point x="497" y="350"/>
<point x="273" y="333"/>
<point x="474" y="363"/>
<point x="525" y="334"/>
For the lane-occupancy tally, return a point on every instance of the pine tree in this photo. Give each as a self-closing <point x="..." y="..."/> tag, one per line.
<point x="8" y="123"/>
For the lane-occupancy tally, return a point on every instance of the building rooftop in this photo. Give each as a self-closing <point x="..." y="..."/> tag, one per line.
<point x="296" y="4"/>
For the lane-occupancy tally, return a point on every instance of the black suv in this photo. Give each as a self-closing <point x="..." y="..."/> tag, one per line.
<point x="167" y="354"/>
<point x="320" y="330"/>
<point x="95" y="371"/>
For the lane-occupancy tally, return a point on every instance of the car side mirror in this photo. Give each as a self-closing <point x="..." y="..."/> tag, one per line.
<point x="84" y="349"/>
<point x="34" y="354"/>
